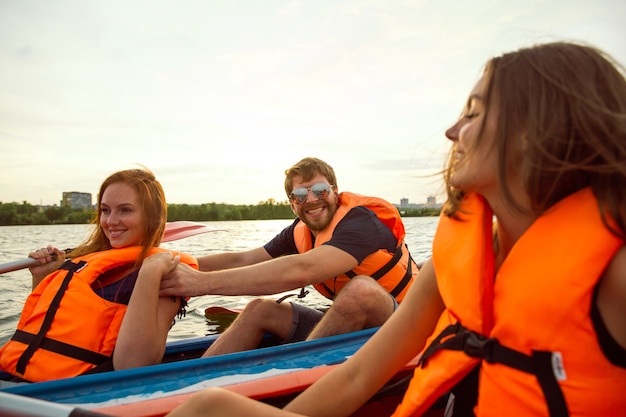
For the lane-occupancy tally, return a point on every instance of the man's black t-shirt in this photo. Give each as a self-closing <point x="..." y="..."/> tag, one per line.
<point x="360" y="233"/>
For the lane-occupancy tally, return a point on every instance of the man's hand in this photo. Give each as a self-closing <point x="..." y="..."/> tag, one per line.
<point x="182" y="281"/>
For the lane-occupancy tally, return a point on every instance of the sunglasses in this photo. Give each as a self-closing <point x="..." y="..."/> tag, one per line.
<point x="319" y="190"/>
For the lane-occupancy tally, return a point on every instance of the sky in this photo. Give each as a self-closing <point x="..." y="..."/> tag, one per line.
<point x="219" y="97"/>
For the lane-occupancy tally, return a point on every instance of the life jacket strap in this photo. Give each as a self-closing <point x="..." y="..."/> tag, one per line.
<point x="65" y="349"/>
<point x="383" y="270"/>
<point x="28" y="353"/>
<point x="540" y="363"/>
<point x="406" y="279"/>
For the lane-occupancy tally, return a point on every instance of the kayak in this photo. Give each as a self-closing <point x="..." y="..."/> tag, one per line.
<point x="272" y="373"/>
<point x="282" y="390"/>
<point x="382" y="404"/>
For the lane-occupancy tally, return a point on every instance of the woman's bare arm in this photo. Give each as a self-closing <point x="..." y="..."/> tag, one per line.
<point x="398" y="341"/>
<point x="345" y="389"/>
<point x="148" y="318"/>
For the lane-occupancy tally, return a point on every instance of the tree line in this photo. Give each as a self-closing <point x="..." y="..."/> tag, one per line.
<point x="27" y="214"/>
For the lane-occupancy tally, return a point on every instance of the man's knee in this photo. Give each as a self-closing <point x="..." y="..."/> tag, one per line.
<point x="362" y="288"/>
<point x="266" y="314"/>
<point x="364" y="294"/>
<point x="260" y="307"/>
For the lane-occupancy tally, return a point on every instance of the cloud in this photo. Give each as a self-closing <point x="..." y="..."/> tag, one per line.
<point x="219" y="97"/>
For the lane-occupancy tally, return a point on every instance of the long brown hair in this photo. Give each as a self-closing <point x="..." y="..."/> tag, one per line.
<point x="153" y="205"/>
<point x="570" y="102"/>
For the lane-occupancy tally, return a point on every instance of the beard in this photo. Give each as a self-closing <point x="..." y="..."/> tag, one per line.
<point x="318" y="223"/>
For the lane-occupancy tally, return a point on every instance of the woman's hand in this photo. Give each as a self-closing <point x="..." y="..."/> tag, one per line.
<point x="50" y="258"/>
<point x="161" y="263"/>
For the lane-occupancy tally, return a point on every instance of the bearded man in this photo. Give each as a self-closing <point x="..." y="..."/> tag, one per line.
<point x="349" y="247"/>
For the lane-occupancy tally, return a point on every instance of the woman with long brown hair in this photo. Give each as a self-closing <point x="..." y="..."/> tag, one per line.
<point x="521" y="309"/>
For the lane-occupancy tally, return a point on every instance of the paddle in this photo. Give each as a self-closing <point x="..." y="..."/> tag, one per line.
<point x="182" y="229"/>
<point x="19" y="405"/>
<point x="173" y="231"/>
<point x="220" y="318"/>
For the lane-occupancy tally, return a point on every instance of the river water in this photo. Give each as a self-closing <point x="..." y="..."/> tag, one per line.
<point x="17" y="241"/>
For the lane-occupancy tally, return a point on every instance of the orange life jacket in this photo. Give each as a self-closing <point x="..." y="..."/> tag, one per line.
<point x="65" y="328"/>
<point x="528" y="327"/>
<point x="393" y="271"/>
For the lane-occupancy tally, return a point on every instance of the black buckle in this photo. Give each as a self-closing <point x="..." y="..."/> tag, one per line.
<point x="478" y="346"/>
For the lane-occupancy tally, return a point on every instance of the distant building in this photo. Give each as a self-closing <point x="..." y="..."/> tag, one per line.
<point x="431" y="202"/>
<point x="74" y="199"/>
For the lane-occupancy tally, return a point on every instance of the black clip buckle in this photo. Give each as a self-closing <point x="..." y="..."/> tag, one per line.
<point x="478" y="346"/>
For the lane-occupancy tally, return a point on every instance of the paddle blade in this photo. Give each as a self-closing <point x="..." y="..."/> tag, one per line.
<point x="182" y="229"/>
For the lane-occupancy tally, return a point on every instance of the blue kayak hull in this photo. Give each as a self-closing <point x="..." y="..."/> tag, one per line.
<point x="188" y="376"/>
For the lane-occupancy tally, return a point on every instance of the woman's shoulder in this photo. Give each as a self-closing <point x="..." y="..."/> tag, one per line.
<point x="612" y="297"/>
<point x="615" y="274"/>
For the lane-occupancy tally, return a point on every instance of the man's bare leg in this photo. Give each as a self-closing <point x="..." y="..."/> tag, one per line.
<point x="260" y="316"/>
<point x="361" y="304"/>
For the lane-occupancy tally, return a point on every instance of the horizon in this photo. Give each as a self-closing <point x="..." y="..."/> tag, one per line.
<point x="286" y="200"/>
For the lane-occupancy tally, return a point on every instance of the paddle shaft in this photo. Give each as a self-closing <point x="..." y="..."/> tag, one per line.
<point x="17" y="265"/>
<point x="173" y="231"/>
<point x="19" y="405"/>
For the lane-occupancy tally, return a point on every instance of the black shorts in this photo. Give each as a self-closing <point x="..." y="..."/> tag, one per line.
<point x="304" y="319"/>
